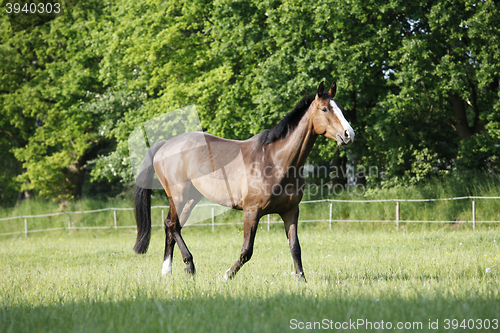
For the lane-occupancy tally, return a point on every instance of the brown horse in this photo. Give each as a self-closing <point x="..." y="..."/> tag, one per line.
<point x="261" y="175"/>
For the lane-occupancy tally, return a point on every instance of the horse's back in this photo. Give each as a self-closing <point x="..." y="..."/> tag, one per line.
<point x="215" y="166"/>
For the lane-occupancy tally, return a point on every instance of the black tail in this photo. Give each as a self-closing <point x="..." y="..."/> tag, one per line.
<point x="142" y="204"/>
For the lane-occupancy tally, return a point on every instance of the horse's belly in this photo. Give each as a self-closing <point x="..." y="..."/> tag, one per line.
<point x="226" y="185"/>
<point x="219" y="189"/>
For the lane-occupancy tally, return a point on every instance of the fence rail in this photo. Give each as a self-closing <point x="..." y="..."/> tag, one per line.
<point x="330" y="220"/>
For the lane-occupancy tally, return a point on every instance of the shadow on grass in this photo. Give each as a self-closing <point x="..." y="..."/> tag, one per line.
<point x="223" y="313"/>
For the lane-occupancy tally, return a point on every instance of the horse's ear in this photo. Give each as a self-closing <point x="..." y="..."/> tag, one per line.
<point x="321" y="89"/>
<point x="333" y="89"/>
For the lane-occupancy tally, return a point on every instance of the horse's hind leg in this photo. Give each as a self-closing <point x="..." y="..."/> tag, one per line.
<point x="173" y="235"/>
<point x="169" y="247"/>
<point x="173" y="225"/>
<point x="250" y="224"/>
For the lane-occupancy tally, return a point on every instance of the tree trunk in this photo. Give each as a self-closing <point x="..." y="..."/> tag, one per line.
<point x="463" y="130"/>
<point x="23" y="195"/>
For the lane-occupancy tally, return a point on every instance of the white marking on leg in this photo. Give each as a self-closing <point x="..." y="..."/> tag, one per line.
<point x="167" y="266"/>
<point x="226" y="275"/>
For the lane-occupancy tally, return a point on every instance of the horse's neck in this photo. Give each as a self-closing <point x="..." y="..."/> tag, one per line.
<point x="298" y="144"/>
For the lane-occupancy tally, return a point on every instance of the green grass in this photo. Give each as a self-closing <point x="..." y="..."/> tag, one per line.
<point x="90" y="281"/>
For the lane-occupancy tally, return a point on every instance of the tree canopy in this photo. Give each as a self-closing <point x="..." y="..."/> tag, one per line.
<point x="419" y="82"/>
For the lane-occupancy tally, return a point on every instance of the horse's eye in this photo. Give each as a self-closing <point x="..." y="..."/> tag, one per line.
<point x="325" y="110"/>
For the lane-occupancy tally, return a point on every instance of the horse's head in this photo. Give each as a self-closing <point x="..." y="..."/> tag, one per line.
<point x="328" y="119"/>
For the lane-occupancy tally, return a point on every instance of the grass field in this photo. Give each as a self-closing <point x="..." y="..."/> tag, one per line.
<point x="90" y="281"/>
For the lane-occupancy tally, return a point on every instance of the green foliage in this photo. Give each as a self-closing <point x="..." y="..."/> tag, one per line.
<point x="59" y="64"/>
<point x="418" y="82"/>
<point x="441" y="59"/>
<point x="11" y="169"/>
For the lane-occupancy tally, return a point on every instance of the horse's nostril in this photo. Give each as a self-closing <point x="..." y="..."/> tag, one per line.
<point x="346" y="134"/>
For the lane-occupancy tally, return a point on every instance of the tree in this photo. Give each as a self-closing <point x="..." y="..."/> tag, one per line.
<point x="419" y="82"/>
<point x="58" y="66"/>
<point x="443" y="100"/>
<point x="163" y="51"/>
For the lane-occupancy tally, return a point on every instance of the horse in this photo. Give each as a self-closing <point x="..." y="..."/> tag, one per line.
<point x="264" y="180"/>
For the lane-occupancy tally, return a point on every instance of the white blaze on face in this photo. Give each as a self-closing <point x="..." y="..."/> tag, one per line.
<point x="343" y="122"/>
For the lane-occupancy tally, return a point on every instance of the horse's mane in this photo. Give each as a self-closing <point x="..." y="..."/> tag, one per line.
<point x="287" y="124"/>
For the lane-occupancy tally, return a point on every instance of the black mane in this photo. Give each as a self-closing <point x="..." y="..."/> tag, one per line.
<point x="287" y="124"/>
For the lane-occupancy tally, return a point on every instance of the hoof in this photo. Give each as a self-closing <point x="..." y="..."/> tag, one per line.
<point x="227" y="275"/>
<point x="166" y="272"/>
<point x="190" y="270"/>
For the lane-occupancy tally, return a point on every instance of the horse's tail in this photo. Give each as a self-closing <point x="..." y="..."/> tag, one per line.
<point x="142" y="201"/>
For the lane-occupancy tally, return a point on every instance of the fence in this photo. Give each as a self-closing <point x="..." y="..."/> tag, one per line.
<point x="330" y="219"/>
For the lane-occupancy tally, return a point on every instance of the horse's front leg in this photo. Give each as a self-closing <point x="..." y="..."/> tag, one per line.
<point x="291" y="219"/>
<point x="250" y="224"/>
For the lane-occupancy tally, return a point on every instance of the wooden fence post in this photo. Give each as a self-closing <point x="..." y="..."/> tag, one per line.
<point x="213" y="219"/>
<point x="268" y="222"/>
<point x="69" y="222"/>
<point x="26" y="228"/>
<point x="114" y="217"/>
<point x="473" y="215"/>
<point x="397" y="215"/>
<point x="330" y="216"/>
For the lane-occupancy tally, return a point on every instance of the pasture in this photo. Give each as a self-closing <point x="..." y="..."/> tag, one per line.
<point x="92" y="281"/>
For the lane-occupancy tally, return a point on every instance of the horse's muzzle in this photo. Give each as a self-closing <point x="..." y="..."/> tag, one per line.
<point x="345" y="138"/>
